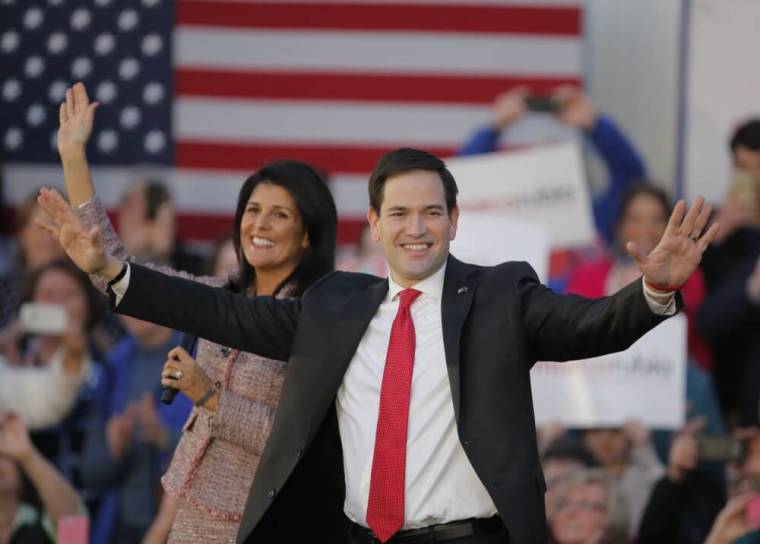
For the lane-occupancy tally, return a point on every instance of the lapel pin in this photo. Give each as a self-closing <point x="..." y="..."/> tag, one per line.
<point x="462" y="290"/>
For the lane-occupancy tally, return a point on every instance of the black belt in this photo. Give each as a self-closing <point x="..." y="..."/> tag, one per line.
<point x="434" y="533"/>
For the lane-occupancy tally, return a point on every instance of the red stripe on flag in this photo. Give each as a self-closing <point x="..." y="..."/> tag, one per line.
<point x="552" y="20"/>
<point x="331" y="159"/>
<point x="349" y="230"/>
<point x="342" y="86"/>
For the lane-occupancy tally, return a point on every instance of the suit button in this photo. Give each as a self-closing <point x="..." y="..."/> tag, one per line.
<point x="271" y="493"/>
<point x="299" y="452"/>
<point x="466" y="442"/>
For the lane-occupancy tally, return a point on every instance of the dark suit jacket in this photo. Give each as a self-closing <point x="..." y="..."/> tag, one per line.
<point x="497" y="322"/>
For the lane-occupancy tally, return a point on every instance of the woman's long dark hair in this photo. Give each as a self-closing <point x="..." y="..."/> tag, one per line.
<point x="318" y="215"/>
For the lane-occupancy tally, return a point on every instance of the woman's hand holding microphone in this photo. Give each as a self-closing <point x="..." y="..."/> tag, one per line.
<point x="182" y="372"/>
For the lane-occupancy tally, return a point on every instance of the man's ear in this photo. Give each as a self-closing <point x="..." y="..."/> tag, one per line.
<point x="373" y="218"/>
<point x="454" y="216"/>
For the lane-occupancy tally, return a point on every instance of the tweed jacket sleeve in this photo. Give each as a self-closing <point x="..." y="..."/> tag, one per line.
<point x="93" y="214"/>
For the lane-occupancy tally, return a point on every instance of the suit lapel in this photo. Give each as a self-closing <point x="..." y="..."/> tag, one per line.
<point x="353" y="320"/>
<point x="309" y="391"/>
<point x="458" y="292"/>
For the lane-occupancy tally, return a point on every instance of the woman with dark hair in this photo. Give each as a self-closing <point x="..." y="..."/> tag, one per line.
<point x="284" y="235"/>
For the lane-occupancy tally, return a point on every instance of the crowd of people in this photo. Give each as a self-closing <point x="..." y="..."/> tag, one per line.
<point x="84" y="434"/>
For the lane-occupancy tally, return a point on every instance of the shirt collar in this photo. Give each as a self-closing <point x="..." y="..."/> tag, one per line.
<point x="431" y="286"/>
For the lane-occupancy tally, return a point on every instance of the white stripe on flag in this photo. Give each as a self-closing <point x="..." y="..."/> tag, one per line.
<point x="319" y="123"/>
<point x="376" y="52"/>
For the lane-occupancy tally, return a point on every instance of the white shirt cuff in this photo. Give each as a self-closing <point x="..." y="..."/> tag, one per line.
<point x="668" y="308"/>
<point x="120" y="287"/>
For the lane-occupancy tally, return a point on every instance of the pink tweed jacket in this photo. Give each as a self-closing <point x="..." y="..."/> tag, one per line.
<point x="217" y="455"/>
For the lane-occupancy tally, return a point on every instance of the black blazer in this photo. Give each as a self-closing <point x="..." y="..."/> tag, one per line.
<point x="497" y="322"/>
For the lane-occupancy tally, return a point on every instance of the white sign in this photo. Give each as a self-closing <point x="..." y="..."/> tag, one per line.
<point x="646" y="382"/>
<point x="488" y="240"/>
<point x="544" y="184"/>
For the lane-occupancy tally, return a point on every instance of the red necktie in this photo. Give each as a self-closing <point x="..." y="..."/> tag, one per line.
<point x="385" y="509"/>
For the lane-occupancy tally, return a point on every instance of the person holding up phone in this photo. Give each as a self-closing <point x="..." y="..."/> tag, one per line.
<point x="44" y="354"/>
<point x="689" y="503"/>
<point x="20" y="522"/>
<point x="571" y="107"/>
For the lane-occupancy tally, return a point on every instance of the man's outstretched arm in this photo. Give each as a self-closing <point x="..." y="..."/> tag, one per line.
<point x="262" y="325"/>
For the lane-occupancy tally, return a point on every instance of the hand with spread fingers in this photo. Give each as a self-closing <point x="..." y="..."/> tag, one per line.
<point x="76" y="116"/>
<point x="677" y="255"/>
<point x="182" y="372"/>
<point x="83" y="246"/>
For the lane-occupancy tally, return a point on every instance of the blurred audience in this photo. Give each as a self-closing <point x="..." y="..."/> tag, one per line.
<point x="729" y="315"/>
<point x="730" y="319"/>
<point x="685" y="502"/>
<point x="591" y="510"/>
<point x="131" y="435"/>
<point x="223" y="262"/>
<point x="147" y="226"/>
<point x="75" y="353"/>
<point x="43" y="396"/>
<point x="22" y="521"/>
<point x="742" y="206"/>
<point x="367" y="257"/>
<point x="732" y="525"/>
<point x="575" y="109"/>
<point x="627" y="455"/>
<point x="560" y="460"/>
<point x="33" y="248"/>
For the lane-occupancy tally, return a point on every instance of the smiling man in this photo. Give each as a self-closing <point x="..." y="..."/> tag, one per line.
<point x="426" y="373"/>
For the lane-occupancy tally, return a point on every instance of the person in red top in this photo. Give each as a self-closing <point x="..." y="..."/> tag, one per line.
<point x="644" y="212"/>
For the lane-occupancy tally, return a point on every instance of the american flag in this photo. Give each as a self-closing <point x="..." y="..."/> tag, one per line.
<point x="202" y="93"/>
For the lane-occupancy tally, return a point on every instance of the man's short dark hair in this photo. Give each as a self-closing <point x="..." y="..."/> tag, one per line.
<point x="405" y="160"/>
<point x="747" y="135"/>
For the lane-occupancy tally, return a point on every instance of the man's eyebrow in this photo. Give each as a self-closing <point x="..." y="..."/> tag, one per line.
<point x="428" y="207"/>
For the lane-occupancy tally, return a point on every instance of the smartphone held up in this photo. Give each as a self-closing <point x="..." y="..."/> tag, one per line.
<point x="42" y="318"/>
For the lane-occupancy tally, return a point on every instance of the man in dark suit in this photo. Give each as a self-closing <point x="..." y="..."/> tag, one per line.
<point x="426" y="373"/>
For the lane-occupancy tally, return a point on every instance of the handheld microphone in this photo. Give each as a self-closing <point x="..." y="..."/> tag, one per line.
<point x="187" y="342"/>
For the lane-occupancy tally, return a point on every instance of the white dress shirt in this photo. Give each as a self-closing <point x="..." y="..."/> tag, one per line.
<point x="441" y="485"/>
